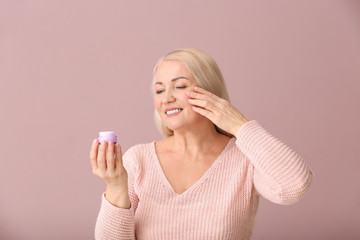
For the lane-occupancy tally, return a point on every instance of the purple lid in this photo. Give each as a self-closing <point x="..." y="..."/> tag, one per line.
<point x="107" y="136"/>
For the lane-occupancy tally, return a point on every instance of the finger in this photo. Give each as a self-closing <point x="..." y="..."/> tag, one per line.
<point x="208" y="96"/>
<point x="204" y="112"/>
<point x="203" y="103"/>
<point x="101" y="156"/>
<point x="93" y="154"/>
<point x="118" y="158"/>
<point x="207" y="93"/>
<point x="110" y="158"/>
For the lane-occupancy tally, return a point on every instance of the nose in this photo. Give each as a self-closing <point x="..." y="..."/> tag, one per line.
<point x="168" y="97"/>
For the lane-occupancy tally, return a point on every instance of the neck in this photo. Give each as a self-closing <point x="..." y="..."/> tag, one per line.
<point x="197" y="139"/>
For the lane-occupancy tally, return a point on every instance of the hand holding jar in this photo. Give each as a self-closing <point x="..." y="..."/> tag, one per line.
<point x="106" y="162"/>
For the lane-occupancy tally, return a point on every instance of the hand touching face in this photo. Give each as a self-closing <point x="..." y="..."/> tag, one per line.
<point x="173" y="80"/>
<point x="218" y="110"/>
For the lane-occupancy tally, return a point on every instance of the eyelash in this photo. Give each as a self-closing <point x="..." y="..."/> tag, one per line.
<point x="179" y="87"/>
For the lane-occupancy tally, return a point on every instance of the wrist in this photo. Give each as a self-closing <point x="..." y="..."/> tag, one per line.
<point x="238" y="126"/>
<point x="118" y="197"/>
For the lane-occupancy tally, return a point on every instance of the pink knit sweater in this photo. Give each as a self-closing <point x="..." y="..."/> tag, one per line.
<point x="222" y="204"/>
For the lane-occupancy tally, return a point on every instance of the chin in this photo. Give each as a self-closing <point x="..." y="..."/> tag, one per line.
<point x="174" y="127"/>
<point x="182" y="124"/>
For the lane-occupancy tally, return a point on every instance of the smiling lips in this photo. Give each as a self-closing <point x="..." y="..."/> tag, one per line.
<point x="172" y="111"/>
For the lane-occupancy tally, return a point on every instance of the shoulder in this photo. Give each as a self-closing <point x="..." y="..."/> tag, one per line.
<point x="135" y="158"/>
<point x="138" y="150"/>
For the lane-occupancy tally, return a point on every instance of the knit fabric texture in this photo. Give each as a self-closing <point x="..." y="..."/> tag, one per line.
<point x="222" y="204"/>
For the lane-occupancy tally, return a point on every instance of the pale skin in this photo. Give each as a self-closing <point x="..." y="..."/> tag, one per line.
<point x="195" y="145"/>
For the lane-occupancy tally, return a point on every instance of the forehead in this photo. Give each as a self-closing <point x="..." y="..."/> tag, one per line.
<point x="168" y="70"/>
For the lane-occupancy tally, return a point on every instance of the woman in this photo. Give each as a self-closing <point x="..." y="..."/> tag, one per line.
<point x="204" y="179"/>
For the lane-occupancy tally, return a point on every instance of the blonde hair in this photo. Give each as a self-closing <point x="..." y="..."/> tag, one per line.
<point x="204" y="70"/>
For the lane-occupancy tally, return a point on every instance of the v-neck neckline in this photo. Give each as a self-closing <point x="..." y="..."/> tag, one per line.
<point x="205" y="176"/>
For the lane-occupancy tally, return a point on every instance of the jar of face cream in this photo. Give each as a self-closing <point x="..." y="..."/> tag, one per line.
<point x="107" y="136"/>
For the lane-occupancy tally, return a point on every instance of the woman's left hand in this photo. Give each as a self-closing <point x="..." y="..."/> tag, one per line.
<point x="218" y="110"/>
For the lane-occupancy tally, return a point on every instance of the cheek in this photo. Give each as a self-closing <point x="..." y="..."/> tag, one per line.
<point x="187" y="105"/>
<point x="157" y="103"/>
<point x="184" y="99"/>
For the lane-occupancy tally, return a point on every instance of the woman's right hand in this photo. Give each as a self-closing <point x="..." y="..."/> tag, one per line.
<point x="106" y="163"/>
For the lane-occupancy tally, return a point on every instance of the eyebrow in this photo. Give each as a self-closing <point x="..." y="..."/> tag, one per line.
<point x="173" y="80"/>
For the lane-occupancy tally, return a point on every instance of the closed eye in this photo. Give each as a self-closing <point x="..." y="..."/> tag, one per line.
<point x="159" y="91"/>
<point x="181" y="87"/>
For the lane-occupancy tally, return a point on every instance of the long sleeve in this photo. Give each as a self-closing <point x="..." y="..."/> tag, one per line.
<point x="222" y="204"/>
<point x="280" y="174"/>
<point x="118" y="223"/>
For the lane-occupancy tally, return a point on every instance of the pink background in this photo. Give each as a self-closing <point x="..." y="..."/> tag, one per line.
<point x="69" y="69"/>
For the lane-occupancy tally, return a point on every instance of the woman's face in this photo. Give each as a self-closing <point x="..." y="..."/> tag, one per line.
<point x="173" y="81"/>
